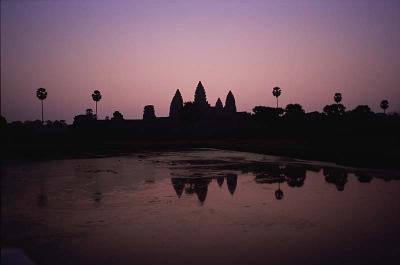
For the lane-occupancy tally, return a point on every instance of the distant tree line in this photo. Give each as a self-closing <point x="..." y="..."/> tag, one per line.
<point x="191" y="112"/>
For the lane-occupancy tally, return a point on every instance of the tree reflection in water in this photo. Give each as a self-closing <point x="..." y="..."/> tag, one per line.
<point x="295" y="176"/>
<point x="336" y="176"/>
<point x="42" y="198"/>
<point x="279" y="192"/>
<point x="364" y="178"/>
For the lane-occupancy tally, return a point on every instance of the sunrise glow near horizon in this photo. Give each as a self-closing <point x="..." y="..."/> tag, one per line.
<point x="139" y="52"/>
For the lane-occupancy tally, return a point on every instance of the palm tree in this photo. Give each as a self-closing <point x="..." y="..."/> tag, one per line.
<point x="96" y="96"/>
<point x="384" y="105"/>
<point x="337" y="98"/>
<point x="276" y="91"/>
<point x="41" y="94"/>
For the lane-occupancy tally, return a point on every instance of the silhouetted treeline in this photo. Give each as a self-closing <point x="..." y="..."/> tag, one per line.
<point x="333" y="133"/>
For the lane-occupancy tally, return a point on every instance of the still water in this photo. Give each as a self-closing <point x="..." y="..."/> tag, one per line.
<point x="199" y="207"/>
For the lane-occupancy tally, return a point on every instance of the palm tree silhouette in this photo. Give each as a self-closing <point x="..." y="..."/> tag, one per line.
<point x="337" y="98"/>
<point x="279" y="193"/>
<point x="384" y="105"/>
<point x="41" y="94"/>
<point x="276" y="91"/>
<point x="96" y="96"/>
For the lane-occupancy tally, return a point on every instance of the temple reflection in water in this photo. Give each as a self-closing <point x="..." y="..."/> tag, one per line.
<point x="198" y="184"/>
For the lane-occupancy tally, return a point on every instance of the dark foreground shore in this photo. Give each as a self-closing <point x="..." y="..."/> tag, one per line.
<point x="357" y="151"/>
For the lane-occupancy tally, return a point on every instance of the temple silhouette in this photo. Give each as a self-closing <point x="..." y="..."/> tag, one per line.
<point x="180" y="111"/>
<point x="203" y="107"/>
<point x="186" y="119"/>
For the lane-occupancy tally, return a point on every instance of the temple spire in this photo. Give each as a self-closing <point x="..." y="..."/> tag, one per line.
<point x="176" y="105"/>
<point x="200" y="95"/>
<point x="218" y="105"/>
<point x="230" y="104"/>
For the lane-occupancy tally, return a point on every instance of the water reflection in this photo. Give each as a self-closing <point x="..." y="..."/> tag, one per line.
<point x="231" y="181"/>
<point x="295" y="176"/>
<point x="42" y="198"/>
<point x="336" y="176"/>
<point x="268" y="203"/>
<point x="279" y="193"/>
<point x="198" y="184"/>
<point x="220" y="180"/>
<point x="271" y="174"/>
<point x="364" y="178"/>
<point x="192" y="185"/>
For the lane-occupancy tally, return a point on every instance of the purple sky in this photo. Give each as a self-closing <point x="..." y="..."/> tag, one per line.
<point x="139" y="53"/>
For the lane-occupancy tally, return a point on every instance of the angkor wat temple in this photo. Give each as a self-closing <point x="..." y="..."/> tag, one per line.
<point x="198" y="109"/>
<point x="202" y="105"/>
<point x="187" y="118"/>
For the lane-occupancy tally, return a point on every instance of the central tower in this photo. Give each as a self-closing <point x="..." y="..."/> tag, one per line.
<point x="200" y="97"/>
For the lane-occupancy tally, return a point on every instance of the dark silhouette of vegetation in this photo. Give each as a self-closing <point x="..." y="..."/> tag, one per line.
<point x="265" y="114"/>
<point x="56" y="124"/>
<point x="335" y="110"/>
<point x="41" y="94"/>
<point x="3" y="122"/>
<point x="337" y="98"/>
<point x="294" y="111"/>
<point x="89" y="113"/>
<point x="86" y="119"/>
<point x="360" y="112"/>
<point x="96" y="96"/>
<point x="276" y="91"/>
<point x="117" y="116"/>
<point x="384" y="105"/>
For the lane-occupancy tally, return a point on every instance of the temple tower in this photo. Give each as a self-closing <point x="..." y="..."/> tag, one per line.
<point x="176" y="105"/>
<point x="200" y="96"/>
<point x="218" y="105"/>
<point x="230" y="104"/>
<point x="149" y="113"/>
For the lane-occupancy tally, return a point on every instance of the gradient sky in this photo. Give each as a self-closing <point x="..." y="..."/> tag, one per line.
<point x="139" y="52"/>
